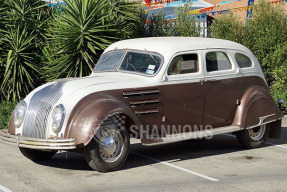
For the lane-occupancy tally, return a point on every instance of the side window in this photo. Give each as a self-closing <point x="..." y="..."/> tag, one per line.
<point x="183" y="64"/>
<point x="242" y="60"/>
<point x="217" y="61"/>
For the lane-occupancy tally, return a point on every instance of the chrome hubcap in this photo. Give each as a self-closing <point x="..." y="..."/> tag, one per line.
<point x="112" y="146"/>
<point x="257" y="133"/>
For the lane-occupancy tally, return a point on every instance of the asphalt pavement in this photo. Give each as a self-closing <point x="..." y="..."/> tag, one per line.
<point x="219" y="164"/>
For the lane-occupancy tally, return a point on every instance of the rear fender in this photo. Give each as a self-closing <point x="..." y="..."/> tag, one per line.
<point x="256" y="108"/>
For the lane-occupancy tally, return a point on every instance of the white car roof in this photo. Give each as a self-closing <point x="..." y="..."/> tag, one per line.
<point x="168" y="46"/>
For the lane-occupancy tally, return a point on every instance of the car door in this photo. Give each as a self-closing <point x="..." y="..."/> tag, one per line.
<point x="221" y="88"/>
<point x="184" y="91"/>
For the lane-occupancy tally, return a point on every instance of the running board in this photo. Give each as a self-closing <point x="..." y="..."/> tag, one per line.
<point x="192" y="135"/>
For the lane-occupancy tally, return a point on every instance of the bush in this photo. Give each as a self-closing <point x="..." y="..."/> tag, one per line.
<point x="228" y="27"/>
<point x="265" y="34"/>
<point x="6" y="109"/>
<point x="276" y="94"/>
<point x="279" y="59"/>
<point x="185" y="24"/>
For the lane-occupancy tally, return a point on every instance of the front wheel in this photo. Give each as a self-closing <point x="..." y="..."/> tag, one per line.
<point x="37" y="155"/>
<point x="109" y="152"/>
<point x="253" y="138"/>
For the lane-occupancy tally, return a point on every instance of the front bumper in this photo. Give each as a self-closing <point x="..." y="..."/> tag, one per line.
<point x="35" y="143"/>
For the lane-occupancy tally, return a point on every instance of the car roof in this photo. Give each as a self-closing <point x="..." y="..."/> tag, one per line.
<point x="170" y="45"/>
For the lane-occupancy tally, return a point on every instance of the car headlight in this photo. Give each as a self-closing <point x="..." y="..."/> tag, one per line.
<point x="58" y="116"/>
<point x="19" y="113"/>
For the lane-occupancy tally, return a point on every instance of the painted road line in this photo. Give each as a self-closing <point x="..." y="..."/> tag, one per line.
<point x="4" y="189"/>
<point x="177" y="167"/>
<point x="276" y="145"/>
<point x="281" y="146"/>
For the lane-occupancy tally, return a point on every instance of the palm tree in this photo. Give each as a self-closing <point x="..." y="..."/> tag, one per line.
<point x="22" y="38"/>
<point x="82" y="30"/>
<point x="3" y="10"/>
<point x="22" y="66"/>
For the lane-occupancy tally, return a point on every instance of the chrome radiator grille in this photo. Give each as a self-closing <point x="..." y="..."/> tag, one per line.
<point x="39" y="109"/>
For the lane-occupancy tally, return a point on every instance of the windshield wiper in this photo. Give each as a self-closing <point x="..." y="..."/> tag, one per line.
<point x="151" y="56"/>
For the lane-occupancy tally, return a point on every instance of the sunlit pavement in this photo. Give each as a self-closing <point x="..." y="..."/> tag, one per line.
<point x="219" y="164"/>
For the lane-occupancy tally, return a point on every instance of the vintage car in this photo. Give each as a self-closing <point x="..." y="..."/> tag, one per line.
<point x="159" y="90"/>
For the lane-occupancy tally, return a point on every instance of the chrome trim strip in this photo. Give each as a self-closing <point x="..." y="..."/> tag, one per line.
<point x="39" y="108"/>
<point x="32" y="143"/>
<point x="194" y="135"/>
<point x="145" y="102"/>
<point x="261" y="121"/>
<point x="138" y="93"/>
<point x="146" y="112"/>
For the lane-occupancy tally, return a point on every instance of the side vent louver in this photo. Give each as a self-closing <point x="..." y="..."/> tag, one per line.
<point x="145" y="112"/>
<point x="144" y="102"/>
<point x="140" y="93"/>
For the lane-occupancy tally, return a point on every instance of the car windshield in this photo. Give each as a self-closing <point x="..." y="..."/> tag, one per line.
<point x="132" y="61"/>
<point x="109" y="61"/>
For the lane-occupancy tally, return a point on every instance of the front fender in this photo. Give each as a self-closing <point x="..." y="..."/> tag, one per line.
<point x="90" y="112"/>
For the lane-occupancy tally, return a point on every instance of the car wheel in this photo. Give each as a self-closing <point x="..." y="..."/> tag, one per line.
<point x="109" y="151"/>
<point x="253" y="138"/>
<point x="37" y="155"/>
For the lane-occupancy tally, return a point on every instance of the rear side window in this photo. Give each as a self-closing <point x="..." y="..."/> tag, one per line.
<point x="217" y="61"/>
<point x="243" y="61"/>
<point x="183" y="64"/>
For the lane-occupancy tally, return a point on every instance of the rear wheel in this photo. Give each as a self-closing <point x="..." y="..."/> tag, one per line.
<point x="253" y="138"/>
<point x="37" y="155"/>
<point x="108" y="150"/>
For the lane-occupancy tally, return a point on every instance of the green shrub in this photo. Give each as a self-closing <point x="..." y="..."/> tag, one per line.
<point x="6" y="109"/>
<point x="277" y="94"/>
<point x="185" y="24"/>
<point x="265" y="34"/>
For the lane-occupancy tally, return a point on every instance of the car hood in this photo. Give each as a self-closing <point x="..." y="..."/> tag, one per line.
<point x="94" y="83"/>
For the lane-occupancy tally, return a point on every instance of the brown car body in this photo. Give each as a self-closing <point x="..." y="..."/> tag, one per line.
<point x="239" y="102"/>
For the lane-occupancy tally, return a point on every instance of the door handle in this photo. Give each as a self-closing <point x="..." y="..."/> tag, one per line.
<point x="201" y="81"/>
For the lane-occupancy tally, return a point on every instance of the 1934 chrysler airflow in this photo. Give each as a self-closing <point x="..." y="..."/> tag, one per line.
<point x="141" y="86"/>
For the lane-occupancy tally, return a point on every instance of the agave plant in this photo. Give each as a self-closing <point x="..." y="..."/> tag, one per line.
<point x="3" y="12"/>
<point x="124" y="15"/>
<point x="22" y="66"/>
<point x="22" y="12"/>
<point x="82" y="30"/>
<point x="23" y="36"/>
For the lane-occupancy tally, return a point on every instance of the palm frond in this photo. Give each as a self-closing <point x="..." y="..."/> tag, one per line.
<point x="21" y="67"/>
<point x="81" y="33"/>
